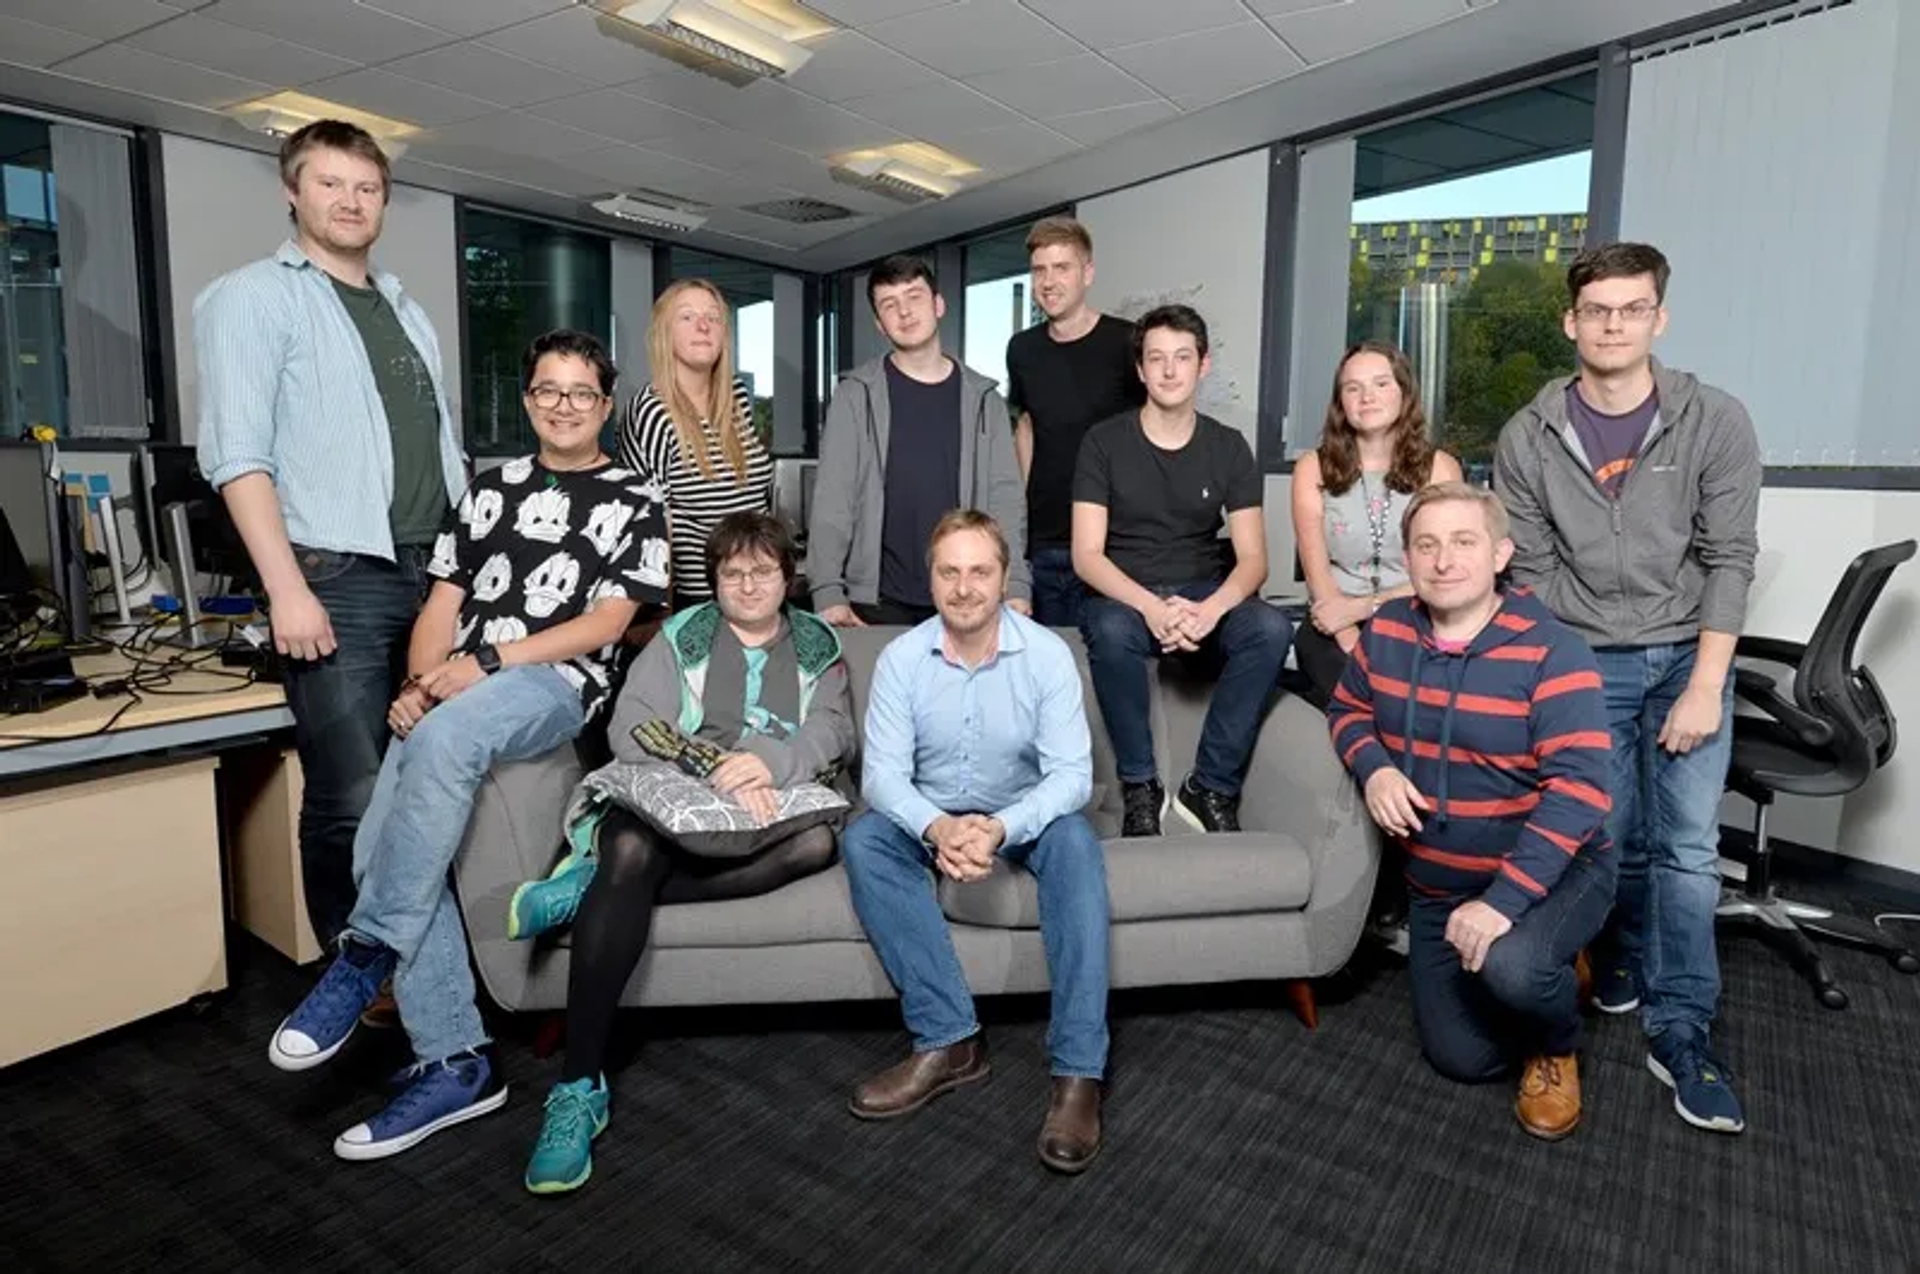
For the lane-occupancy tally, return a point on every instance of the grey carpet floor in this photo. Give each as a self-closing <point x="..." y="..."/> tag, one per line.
<point x="1236" y="1140"/>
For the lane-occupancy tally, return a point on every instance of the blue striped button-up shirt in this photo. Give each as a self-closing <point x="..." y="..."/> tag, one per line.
<point x="1008" y="738"/>
<point x="286" y="389"/>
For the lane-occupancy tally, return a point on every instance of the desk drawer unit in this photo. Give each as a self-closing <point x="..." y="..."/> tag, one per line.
<point x="115" y="886"/>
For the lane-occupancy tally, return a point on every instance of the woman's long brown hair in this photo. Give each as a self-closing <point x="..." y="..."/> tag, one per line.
<point x="1339" y="447"/>
<point x="721" y="408"/>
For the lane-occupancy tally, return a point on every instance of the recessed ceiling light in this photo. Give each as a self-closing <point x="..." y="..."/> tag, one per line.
<point x="280" y="114"/>
<point x="750" y="38"/>
<point x="911" y="172"/>
<point x="648" y="208"/>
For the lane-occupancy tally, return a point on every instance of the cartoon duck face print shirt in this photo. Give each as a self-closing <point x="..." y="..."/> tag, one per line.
<point x="534" y="547"/>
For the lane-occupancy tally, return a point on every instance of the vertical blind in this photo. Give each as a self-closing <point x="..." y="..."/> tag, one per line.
<point x="99" y="284"/>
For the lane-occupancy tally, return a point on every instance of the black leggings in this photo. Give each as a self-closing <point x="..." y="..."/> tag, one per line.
<point x="1320" y="660"/>
<point x="638" y="869"/>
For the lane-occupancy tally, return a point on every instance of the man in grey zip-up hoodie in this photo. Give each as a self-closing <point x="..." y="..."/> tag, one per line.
<point x="1634" y="492"/>
<point x="909" y="437"/>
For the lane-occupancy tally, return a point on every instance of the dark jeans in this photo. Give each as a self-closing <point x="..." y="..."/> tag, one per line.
<point x="1248" y="648"/>
<point x="1320" y="660"/>
<point x="888" y="611"/>
<point x="340" y="711"/>
<point x="1523" y="1003"/>
<point x="1059" y="596"/>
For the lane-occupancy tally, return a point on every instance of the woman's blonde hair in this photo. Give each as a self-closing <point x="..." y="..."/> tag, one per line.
<point x="722" y="409"/>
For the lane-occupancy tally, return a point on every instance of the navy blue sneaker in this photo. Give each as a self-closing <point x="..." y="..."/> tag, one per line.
<point x="438" y="1095"/>
<point x="1701" y="1090"/>
<point x="1615" y="989"/>
<point x="315" y="1031"/>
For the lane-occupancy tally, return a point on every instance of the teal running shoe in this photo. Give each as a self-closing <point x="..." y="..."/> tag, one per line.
<point x="563" y="1157"/>
<point x="540" y="906"/>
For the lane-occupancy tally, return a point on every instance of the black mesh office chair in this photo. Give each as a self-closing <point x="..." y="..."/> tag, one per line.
<point x="1826" y="740"/>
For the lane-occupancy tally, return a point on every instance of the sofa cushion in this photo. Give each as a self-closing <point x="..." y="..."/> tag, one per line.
<point x="1155" y="878"/>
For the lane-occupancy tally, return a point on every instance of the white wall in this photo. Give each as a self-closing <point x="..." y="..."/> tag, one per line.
<point x="225" y="208"/>
<point x="1198" y="238"/>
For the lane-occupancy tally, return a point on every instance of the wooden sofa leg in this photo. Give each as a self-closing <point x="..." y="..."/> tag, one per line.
<point x="551" y="1035"/>
<point x="1300" y="996"/>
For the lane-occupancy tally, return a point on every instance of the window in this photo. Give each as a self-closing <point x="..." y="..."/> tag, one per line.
<point x="522" y="278"/>
<point x="749" y="292"/>
<point x="33" y="380"/>
<point x="999" y="301"/>
<point x="1461" y="228"/>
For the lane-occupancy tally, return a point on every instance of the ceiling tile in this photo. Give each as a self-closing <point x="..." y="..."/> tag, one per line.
<point x="1090" y="128"/>
<point x="1221" y="63"/>
<point x="105" y="19"/>
<point x="1084" y="83"/>
<point x="976" y="37"/>
<point x="1108" y="24"/>
<point x="615" y="114"/>
<point x="715" y="146"/>
<point x="577" y="41"/>
<point x="238" y="51"/>
<point x="634" y="167"/>
<point x="1011" y="148"/>
<point x="789" y="118"/>
<point x="487" y="73"/>
<point x="398" y="97"/>
<point x="349" y="31"/>
<point x="939" y="106"/>
<point x="848" y="12"/>
<point x="1326" y="32"/>
<point x="847" y="64"/>
<point x="513" y="132"/>
<point x="30" y="44"/>
<point x="467" y="17"/>
<point x="137" y="71"/>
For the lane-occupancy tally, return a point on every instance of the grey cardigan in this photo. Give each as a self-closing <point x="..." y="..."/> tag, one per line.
<point x="849" y="495"/>
<point x="1674" y="554"/>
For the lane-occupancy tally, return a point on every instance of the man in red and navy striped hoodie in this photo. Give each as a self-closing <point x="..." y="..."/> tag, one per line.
<point x="1475" y="722"/>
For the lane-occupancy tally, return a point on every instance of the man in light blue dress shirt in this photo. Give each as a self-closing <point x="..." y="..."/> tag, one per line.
<point x="976" y="748"/>
<point x="324" y="425"/>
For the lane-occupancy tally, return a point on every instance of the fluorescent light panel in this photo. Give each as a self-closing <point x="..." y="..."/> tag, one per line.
<point x="286" y="112"/>
<point x="651" y="210"/>
<point x="759" y="37"/>
<point x="911" y="172"/>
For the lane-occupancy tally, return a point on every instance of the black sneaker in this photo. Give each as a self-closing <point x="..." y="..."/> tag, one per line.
<point x="1206" y="809"/>
<point x="1144" y="802"/>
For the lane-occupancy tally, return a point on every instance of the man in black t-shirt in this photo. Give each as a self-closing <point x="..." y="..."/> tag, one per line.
<point x="537" y="576"/>
<point x="909" y="437"/>
<point x="1064" y="375"/>
<point x="1149" y="493"/>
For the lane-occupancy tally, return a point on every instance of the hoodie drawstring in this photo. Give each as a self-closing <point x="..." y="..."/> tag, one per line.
<point x="1456" y="671"/>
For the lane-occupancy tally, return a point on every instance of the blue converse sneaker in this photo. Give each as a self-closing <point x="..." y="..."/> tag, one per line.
<point x="540" y="906"/>
<point x="563" y="1157"/>
<point x="1700" y="1084"/>
<point x="315" y="1031"/>
<point x="438" y="1095"/>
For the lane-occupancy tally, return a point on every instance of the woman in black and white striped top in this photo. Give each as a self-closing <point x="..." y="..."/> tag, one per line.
<point x="708" y="462"/>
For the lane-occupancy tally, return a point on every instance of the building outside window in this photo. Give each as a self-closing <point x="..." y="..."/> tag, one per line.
<point x="999" y="300"/>
<point x="33" y="379"/>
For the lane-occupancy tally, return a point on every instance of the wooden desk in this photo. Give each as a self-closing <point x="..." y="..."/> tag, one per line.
<point x="110" y="843"/>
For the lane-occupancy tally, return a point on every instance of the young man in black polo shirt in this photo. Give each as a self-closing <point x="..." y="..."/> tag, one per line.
<point x="1149" y="495"/>
<point x="1063" y="376"/>
<point x="909" y="437"/>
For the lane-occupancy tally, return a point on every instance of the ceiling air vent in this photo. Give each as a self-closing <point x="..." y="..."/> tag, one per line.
<point x="800" y="211"/>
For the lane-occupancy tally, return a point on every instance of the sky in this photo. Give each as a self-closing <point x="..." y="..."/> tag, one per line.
<point x="1548" y="186"/>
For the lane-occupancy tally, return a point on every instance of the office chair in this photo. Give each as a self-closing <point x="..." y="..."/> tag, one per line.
<point x="1827" y="740"/>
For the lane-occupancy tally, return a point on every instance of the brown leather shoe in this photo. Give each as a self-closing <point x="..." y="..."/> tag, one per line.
<point x="1549" y="1102"/>
<point x="1070" y="1137"/>
<point x="1582" y="981"/>
<point x="906" y="1086"/>
<point x="384" y="1013"/>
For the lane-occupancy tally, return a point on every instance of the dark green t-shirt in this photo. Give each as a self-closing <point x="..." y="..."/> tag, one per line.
<point x="419" y="507"/>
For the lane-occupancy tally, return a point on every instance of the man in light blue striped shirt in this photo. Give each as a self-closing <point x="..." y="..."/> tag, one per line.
<point x="976" y="748"/>
<point x="324" y="425"/>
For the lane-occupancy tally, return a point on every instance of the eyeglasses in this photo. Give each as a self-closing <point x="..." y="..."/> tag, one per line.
<point x="734" y="576"/>
<point x="1637" y="312"/>
<point x="547" y="397"/>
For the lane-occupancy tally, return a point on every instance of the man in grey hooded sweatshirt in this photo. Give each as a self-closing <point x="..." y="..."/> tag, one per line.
<point x="1634" y="492"/>
<point x="909" y="437"/>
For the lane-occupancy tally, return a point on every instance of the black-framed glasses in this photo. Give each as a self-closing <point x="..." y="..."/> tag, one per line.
<point x="547" y="397"/>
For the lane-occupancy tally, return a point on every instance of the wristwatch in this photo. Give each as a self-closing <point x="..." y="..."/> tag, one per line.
<point x="488" y="657"/>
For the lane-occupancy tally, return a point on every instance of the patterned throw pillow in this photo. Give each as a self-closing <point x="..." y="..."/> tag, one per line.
<point x="702" y="821"/>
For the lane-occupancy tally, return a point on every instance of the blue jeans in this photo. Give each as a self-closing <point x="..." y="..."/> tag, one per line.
<point x="1058" y="593"/>
<point x="1523" y="1003"/>
<point x="1665" y="826"/>
<point x="413" y="828"/>
<point x="339" y="709"/>
<point x="1249" y="647"/>
<point x="890" y="875"/>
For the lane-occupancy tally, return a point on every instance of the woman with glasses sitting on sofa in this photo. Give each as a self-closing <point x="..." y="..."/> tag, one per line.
<point x="753" y="696"/>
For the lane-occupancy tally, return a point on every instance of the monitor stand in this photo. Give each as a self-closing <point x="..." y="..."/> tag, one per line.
<point x="193" y="633"/>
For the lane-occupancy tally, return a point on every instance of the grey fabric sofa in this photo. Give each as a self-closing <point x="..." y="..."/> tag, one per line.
<point x="1284" y="899"/>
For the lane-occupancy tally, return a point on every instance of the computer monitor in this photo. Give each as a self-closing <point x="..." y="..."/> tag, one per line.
<point x="46" y="552"/>
<point x="169" y="473"/>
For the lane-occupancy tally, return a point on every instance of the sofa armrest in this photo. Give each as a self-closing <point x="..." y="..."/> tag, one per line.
<point x="1297" y="785"/>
